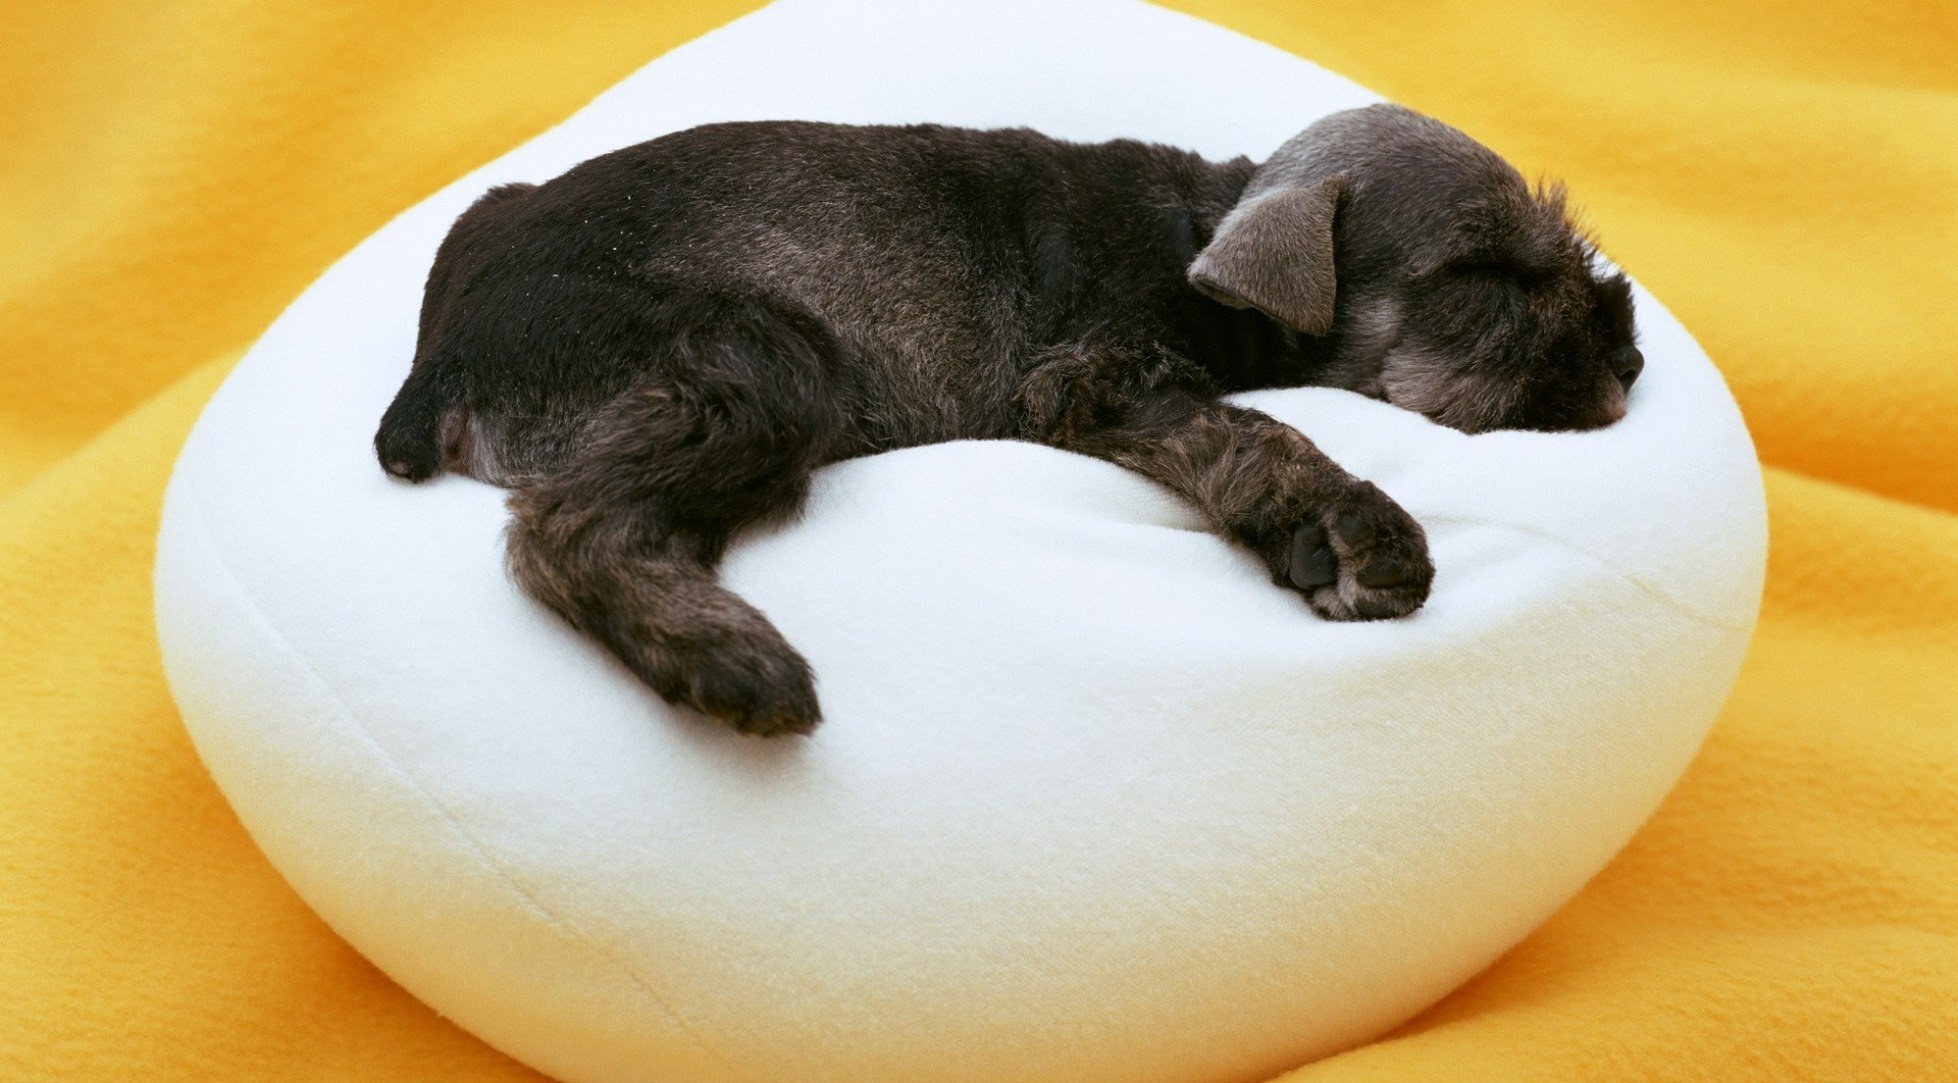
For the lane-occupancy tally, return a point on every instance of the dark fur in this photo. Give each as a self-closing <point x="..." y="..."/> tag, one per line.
<point x="655" y="350"/>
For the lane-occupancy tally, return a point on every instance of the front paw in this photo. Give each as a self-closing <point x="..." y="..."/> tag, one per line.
<point x="1359" y="556"/>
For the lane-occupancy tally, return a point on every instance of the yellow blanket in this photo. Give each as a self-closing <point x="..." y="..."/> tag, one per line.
<point x="1786" y="179"/>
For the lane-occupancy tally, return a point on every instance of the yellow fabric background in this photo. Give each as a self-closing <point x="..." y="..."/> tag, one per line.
<point x="1784" y="175"/>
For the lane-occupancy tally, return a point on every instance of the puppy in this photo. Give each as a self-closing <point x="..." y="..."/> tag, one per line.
<point x="654" y="350"/>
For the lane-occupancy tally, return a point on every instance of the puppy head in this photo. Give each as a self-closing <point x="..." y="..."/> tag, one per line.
<point x="1441" y="281"/>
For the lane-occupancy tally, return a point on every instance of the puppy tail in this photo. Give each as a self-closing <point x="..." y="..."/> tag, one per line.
<point x="424" y="429"/>
<point x="410" y="439"/>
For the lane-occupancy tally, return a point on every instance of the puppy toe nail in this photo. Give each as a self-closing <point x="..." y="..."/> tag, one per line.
<point x="1381" y="571"/>
<point x="1354" y="529"/>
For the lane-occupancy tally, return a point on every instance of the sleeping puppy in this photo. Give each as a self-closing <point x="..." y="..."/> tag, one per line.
<point x="654" y="350"/>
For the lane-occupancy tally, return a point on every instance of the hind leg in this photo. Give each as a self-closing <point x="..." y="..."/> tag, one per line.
<point x="664" y="615"/>
<point x="623" y="539"/>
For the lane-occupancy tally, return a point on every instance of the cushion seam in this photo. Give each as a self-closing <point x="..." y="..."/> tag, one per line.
<point x="474" y="848"/>
<point x="1652" y="590"/>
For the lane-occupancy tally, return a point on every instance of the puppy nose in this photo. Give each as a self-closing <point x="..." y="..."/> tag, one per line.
<point x="1627" y="362"/>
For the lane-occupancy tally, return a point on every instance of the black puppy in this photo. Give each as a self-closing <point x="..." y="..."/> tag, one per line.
<point x="655" y="349"/>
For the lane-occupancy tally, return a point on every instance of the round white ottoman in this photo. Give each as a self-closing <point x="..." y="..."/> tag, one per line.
<point x="1095" y="800"/>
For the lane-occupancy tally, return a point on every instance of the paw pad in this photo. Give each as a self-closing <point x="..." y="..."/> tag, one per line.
<point x="1360" y="557"/>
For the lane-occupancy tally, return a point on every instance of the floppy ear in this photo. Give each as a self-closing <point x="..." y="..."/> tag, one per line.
<point x="1274" y="253"/>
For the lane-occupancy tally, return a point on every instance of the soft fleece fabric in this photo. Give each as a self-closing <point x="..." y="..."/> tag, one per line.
<point x="1780" y="178"/>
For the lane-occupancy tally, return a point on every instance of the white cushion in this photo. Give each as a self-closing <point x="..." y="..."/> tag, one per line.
<point x="1094" y="801"/>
